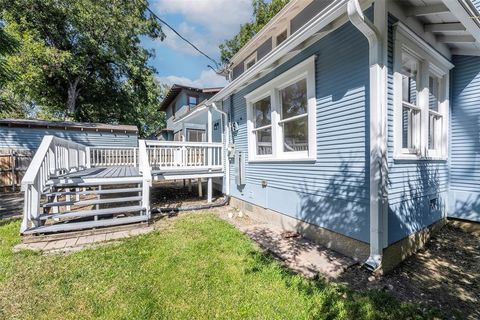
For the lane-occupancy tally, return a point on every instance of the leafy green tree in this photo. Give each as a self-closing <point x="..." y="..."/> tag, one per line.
<point x="263" y="12"/>
<point x="8" y="45"/>
<point x="82" y="60"/>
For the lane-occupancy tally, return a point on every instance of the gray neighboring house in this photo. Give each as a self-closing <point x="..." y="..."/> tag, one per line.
<point x="27" y="134"/>
<point x="179" y="102"/>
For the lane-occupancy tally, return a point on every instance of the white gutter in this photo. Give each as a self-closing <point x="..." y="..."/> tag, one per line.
<point x="377" y="130"/>
<point x="225" y="154"/>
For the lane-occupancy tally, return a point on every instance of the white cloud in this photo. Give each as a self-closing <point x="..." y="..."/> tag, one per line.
<point x="210" y="22"/>
<point x="208" y="79"/>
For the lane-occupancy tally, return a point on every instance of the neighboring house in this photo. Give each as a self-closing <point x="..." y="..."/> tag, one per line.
<point x="356" y="123"/>
<point x="178" y="103"/>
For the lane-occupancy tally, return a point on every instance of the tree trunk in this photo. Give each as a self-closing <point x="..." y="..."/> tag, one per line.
<point x="73" y="92"/>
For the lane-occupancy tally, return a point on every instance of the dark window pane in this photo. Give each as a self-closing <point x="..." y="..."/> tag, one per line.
<point x="264" y="141"/>
<point x="409" y="79"/>
<point x="433" y="87"/>
<point x="281" y="37"/>
<point x="294" y="99"/>
<point x="262" y="112"/>
<point x="295" y="135"/>
<point x="192" y="101"/>
<point x="405" y="125"/>
<point x="434" y="129"/>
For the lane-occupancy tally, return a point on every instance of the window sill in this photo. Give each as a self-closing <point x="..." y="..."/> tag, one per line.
<point x="413" y="157"/>
<point x="276" y="160"/>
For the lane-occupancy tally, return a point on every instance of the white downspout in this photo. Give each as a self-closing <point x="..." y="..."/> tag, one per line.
<point x="377" y="132"/>
<point x="225" y="154"/>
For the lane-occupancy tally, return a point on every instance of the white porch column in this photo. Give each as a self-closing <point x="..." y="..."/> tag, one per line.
<point x="209" y="140"/>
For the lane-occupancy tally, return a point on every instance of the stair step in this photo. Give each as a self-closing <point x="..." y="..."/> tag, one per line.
<point x="87" y="192"/>
<point x="79" y="182"/>
<point x="71" y="226"/>
<point x="90" y="213"/>
<point x="90" y="202"/>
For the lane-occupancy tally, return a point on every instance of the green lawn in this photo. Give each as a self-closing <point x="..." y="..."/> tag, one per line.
<point x="198" y="268"/>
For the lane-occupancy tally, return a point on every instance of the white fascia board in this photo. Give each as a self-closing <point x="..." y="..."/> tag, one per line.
<point x="189" y="115"/>
<point x="465" y="14"/>
<point x="323" y="19"/>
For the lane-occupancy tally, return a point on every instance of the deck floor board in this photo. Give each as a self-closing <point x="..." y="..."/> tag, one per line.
<point x="104" y="172"/>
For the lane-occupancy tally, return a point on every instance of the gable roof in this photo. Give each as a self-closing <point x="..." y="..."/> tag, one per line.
<point x="175" y="89"/>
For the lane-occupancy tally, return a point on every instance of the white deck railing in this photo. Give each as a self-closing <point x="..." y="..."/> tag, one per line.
<point x="177" y="156"/>
<point x="54" y="157"/>
<point x="113" y="156"/>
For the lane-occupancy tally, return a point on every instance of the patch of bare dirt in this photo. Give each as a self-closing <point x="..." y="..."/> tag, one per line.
<point x="171" y="194"/>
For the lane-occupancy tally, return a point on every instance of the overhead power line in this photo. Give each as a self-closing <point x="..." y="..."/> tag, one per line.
<point x="217" y="67"/>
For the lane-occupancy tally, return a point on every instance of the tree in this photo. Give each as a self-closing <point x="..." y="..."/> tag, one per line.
<point x="8" y="45"/>
<point x="82" y="59"/>
<point x="263" y="12"/>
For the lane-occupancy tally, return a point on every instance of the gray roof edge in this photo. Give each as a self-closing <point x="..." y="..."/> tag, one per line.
<point x="80" y="126"/>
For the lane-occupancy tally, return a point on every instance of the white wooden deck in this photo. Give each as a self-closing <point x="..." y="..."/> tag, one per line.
<point x="65" y="175"/>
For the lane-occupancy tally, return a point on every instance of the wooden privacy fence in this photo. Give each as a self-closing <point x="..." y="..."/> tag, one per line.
<point x="13" y="165"/>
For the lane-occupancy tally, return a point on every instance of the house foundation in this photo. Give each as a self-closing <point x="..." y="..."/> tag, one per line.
<point x="358" y="250"/>
<point x="350" y="247"/>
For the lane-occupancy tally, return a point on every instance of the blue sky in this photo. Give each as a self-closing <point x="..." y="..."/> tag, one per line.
<point x="206" y="23"/>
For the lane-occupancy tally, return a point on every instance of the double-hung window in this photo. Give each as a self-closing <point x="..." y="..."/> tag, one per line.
<point x="411" y="111"/>
<point x="420" y="98"/>
<point x="281" y="116"/>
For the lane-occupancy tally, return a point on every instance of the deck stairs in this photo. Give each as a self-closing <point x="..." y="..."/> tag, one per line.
<point x="68" y="204"/>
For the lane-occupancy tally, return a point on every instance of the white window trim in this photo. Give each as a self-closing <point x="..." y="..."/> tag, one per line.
<point x="431" y="62"/>
<point x="303" y="70"/>
<point x="252" y="57"/>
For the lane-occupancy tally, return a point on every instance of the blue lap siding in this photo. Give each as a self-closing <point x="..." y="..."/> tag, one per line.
<point x="331" y="192"/>
<point x="464" y="194"/>
<point x="411" y="184"/>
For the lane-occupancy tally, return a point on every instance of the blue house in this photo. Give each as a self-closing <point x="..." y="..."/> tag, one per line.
<point x="357" y="123"/>
<point x="353" y="122"/>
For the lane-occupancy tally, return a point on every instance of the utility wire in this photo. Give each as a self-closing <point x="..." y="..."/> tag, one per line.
<point x="181" y="37"/>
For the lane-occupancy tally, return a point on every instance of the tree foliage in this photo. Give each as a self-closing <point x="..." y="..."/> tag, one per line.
<point x="82" y="60"/>
<point x="263" y="12"/>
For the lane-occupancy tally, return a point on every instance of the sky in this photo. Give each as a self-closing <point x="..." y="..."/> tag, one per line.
<point x="206" y="23"/>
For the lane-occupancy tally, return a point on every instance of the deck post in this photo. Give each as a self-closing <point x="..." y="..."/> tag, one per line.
<point x="189" y="185"/>
<point x="200" y="191"/>
<point x="209" y="190"/>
